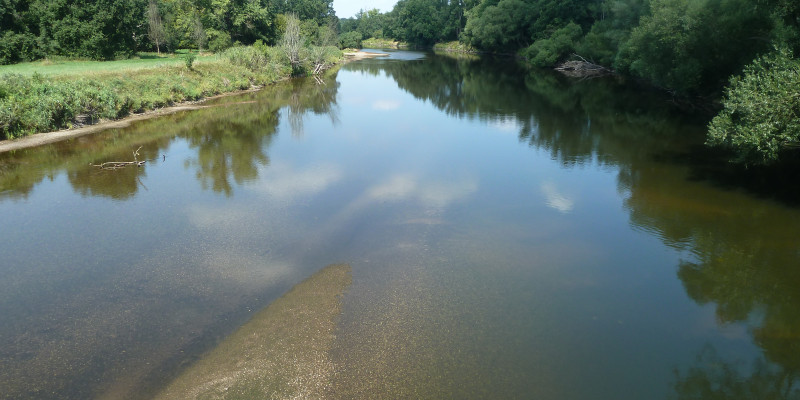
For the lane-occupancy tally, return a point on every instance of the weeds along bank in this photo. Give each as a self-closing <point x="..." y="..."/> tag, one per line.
<point x="38" y="103"/>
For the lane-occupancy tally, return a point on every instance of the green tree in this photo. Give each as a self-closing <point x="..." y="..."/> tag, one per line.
<point x="417" y="21"/>
<point x="103" y="29"/>
<point x="503" y="26"/>
<point x="760" y="120"/>
<point x="694" y="46"/>
<point x="350" y="40"/>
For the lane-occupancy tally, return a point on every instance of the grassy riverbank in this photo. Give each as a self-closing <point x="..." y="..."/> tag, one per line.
<point x="48" y="97"/>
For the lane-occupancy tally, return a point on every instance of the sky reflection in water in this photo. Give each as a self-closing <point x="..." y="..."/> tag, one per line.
<point x="512" y="235"/>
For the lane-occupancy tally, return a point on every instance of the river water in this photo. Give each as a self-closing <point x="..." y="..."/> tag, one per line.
<point x="512" y="234"/>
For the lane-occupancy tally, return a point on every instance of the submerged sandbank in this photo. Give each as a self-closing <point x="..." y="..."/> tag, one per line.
<point x="281" y="353"/>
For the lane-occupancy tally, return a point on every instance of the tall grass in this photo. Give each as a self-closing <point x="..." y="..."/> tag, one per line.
<point x="41" y="103"/>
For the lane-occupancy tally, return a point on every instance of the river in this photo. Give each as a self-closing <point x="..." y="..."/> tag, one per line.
<point x="511" y="233"/>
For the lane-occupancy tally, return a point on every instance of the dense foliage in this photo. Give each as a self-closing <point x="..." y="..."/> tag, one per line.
<point x="689" y="47"/>
<point x="761" y="118"/>
<point x="108" y="29"/>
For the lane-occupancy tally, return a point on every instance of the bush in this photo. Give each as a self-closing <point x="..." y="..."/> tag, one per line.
<point x="251" y="57"/>
<point x="761" y="115"/>
<point x="190" y="60"/>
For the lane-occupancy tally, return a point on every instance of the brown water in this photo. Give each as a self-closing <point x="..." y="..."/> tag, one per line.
<point x="512" y="234"/>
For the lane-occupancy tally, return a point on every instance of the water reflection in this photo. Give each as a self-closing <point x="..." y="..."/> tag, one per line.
<point x="576" y="121"/>
<point x="739" y="252"/>
<point x="713" y="378"/>
<point x="453" y="252"/>
<point x="108" y="299"/>
<point x="231" y="144"/>
<point x="230" y="139"/>
<point x="121" y="183"/>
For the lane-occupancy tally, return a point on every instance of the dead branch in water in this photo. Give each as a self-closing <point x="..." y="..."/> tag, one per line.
<point x="122" y="164"/>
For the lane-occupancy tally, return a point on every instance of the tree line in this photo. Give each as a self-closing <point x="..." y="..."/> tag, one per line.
<point x="109" y="29"/>
<point x="739" y="51"/>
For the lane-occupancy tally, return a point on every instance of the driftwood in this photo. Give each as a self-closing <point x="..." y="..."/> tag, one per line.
<point x="582" y="68"/>
<point x="122" y="164"/>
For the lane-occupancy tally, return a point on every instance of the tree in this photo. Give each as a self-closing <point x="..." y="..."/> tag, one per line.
<point x="292" y="41"/>
<point x="546" y="52"/>
<point x="350" y="40"/>
<point x="155" y="27"/>
<point x="761" y="115"/>
<point x="198" y="32"/>
<point x="694" y="46"/>
<point x="504" y="26"/>
<point x="417" y="21"/>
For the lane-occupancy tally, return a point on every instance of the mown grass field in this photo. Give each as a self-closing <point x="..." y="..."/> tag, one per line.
<point x="61" y="66"/>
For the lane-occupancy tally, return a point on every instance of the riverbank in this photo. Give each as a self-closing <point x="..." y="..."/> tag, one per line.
<point x="41" y="103"/>
<point x="43" y="138"/>
<point x="360" y="55"/>
<point x="282" y="352"/>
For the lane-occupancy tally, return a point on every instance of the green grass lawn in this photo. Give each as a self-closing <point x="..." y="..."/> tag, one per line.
<point x="56" y="67"/>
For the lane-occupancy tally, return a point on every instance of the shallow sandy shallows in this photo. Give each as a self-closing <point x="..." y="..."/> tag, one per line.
<point x="281" y="353"/>
<point x="360" y="55"/>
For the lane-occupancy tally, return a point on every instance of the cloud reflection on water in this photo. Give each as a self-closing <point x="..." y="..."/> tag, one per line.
<point x="284" y="182"/>
<point x="555" y="199"/>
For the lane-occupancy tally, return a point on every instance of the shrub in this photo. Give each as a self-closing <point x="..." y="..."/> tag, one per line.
<point x="761" y="115"/>
<point x="250" y="57"/>
<point x="190" y="60"/>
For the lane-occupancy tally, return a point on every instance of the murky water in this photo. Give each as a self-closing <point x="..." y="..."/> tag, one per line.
<point x="511" y="234"/>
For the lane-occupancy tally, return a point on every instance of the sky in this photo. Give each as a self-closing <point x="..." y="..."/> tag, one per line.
<point x="349" y="8"/>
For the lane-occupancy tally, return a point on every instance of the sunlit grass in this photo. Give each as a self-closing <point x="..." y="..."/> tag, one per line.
<point x="72" y="67"/>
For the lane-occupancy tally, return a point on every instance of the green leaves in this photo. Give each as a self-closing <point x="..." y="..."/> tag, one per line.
<point x="761" y="115"/>
<point x="693" y="47"/>
<point x="547" y="52"/>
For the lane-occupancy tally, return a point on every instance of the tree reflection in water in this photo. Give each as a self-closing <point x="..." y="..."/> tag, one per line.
<point x="744" y="263"/>
<point x="231" y="137"/>
<point x="711" y="378"/>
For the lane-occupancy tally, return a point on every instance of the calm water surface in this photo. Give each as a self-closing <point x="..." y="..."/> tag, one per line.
<point x="512" y="234"/>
